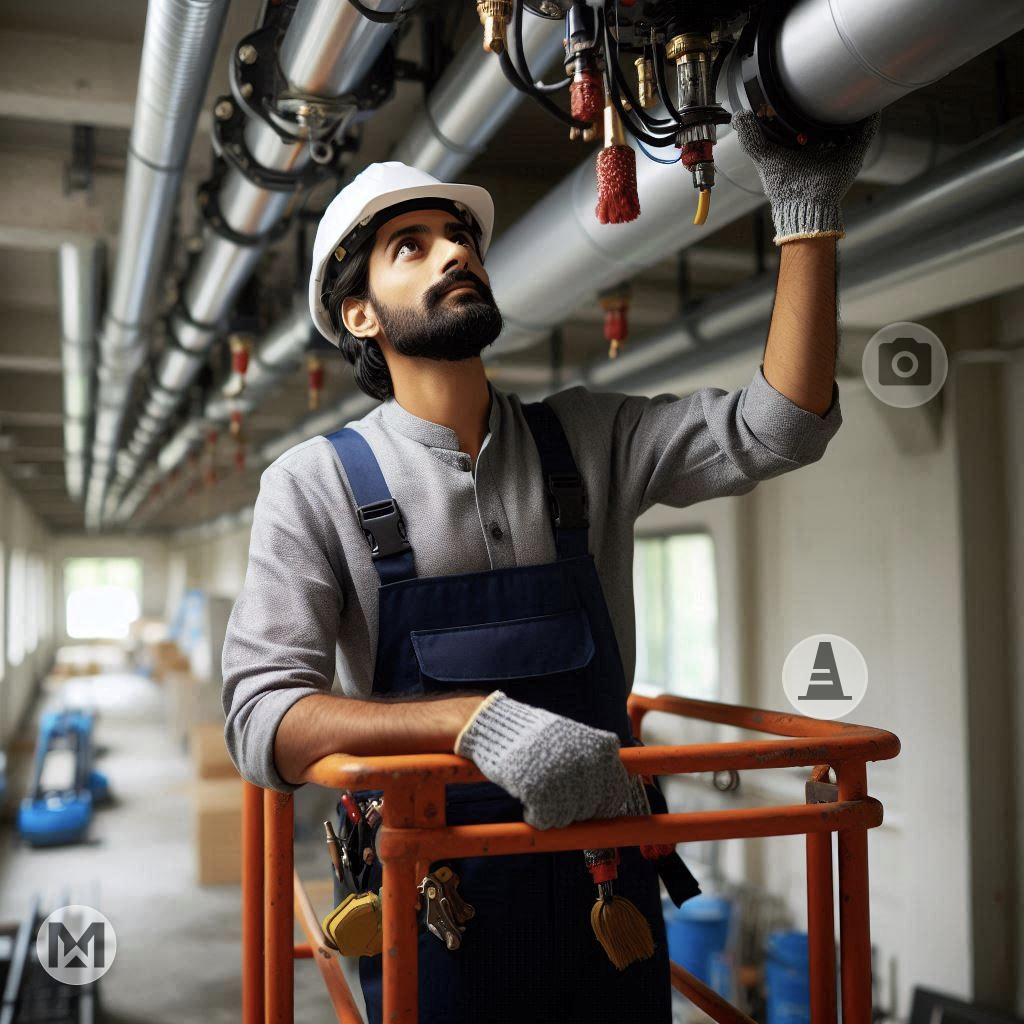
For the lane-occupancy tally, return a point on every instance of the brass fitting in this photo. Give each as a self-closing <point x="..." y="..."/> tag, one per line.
<point x="678" y="47"/>
<point x="494" y="16"/>
<point x="645" y="81"/>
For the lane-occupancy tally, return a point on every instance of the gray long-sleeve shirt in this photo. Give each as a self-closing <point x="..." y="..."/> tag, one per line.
<point x="308" y="606"/>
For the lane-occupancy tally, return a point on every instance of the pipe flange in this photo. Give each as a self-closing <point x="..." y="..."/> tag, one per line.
<point x="179" y="311"/>
<point x="764" y="89"/>
<point x="207" y="197"/>
<point x="229" y="141"/>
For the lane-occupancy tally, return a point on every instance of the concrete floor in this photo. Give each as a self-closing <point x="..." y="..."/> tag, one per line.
<point x="178" y="955"/>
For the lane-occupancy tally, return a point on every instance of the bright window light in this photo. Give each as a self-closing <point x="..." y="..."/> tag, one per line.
<point x="102" y="596"/>
<point x="676" y="596"/>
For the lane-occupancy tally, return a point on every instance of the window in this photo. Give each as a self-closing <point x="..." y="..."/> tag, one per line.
<point x="3" y="615"/>
<point x="16" y="608"/>
<point x="677" y="615"/>
<point x="102" y="596"/>
<point x="31" y="598"/>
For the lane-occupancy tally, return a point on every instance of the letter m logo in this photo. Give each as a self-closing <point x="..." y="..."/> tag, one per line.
<point x="59" y="934"/>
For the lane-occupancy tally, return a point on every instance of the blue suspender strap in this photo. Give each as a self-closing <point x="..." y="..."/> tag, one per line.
<point x="379" y="515"/>
<point x="566" y="495"/>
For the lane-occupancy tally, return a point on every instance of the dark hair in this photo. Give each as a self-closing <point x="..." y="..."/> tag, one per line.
<point x="370" y="371"/>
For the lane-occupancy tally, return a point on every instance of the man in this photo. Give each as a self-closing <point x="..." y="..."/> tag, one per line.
<point x="465" y="563"/>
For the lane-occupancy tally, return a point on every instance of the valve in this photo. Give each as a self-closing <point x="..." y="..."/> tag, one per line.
<point x="315" y="368"/>
<point x="494" y="16"/>
<point x="241" y="346"/>
<point x="699" y="113"/>
<point x="615" y="303"/>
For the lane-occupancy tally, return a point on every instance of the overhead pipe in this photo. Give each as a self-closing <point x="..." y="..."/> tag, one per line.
<point x="327" y="50"/>
<point x="78" y="278"/>
<point x="465" y="109"/>
<point x="592" y="256"/>
<point x="178" y="48"/>
<point x="908" y="232"/>
<point x="840" y="60"/>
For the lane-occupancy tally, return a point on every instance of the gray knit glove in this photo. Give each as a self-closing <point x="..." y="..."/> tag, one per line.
<point x="561" y="770"/>
<point x="805" y="187"/>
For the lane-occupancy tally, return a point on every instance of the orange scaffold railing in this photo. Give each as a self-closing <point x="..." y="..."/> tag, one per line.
<point x="415" y="833"/>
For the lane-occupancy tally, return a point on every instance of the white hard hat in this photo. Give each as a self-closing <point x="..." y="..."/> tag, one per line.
<point x="359" y="209"/>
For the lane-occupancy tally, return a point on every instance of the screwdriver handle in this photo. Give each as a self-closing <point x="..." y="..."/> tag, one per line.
<point x="352" y="809"/>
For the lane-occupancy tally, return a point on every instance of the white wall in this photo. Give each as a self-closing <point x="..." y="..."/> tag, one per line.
<point x="21" y="528"/>
<point x="863" y="544"/>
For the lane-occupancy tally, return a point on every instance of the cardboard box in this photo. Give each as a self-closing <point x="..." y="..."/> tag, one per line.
<point x="190" y="703"/>
<point x="217" y="825"/>
<point x="165" y="658"/>
<point x="210" y="758"/>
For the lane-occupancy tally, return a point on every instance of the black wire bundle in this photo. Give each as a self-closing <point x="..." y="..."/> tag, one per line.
<point x="517" y="71"/>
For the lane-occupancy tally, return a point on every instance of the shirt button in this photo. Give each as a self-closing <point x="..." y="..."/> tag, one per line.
<point x="496" y="531"/>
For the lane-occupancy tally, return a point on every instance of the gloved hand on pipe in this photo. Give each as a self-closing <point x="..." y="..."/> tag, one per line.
<point x="805" y="187"/>
<point x="561" y="770"/>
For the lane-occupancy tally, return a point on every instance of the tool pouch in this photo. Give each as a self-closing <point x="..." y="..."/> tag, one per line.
<point x="355" y="927"/>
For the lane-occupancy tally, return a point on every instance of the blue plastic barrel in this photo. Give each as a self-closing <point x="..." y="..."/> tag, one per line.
<point x="696" y="931"/>
<point x="787" y="979"/>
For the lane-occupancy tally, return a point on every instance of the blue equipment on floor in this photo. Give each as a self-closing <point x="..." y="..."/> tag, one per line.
<point x="65" y="786"/>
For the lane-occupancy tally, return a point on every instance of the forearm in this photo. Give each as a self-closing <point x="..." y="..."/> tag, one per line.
<point x="323" y="724"/>
<point x="800" y="356"/>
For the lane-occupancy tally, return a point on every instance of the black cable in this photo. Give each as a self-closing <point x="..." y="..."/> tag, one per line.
<point x="377" y="16"/>
<point x="516" y="78"/>
<point x="653" y="123"/>
<point x="663" y="90"/>
<point x="637" y="131"/>
<point x="519" y="59"/>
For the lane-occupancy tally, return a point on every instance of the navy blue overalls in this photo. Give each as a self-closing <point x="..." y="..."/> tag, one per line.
<point x="543" y="635"/>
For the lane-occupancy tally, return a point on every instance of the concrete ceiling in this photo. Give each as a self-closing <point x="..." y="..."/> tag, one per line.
<point x="62" y="64"/>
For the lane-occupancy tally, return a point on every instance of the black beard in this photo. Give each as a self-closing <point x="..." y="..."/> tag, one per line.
<point x="443" y="328"/>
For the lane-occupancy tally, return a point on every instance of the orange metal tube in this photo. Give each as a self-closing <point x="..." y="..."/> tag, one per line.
<point x="518" y="837"/>
<point x="821" y="939"/>
<point x="401" y="947"/>
<point x="326" y="959"/>
<point x="706" y="998"/>
<point x="854" y="911"/>
<point x="252" y="904"/>
<point x="416" y="832"/>
<point x="279" y="922"/>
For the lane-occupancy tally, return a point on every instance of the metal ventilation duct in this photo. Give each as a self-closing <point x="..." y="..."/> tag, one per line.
<point x="907" y="233"/>
<point x="327" y="50"/>
<point x="78" y="275"/>
<point x="464" y="110"/>
<point x="861" y="57"/>
<point x="592" y="256"/>
<point x="178" y="48"/>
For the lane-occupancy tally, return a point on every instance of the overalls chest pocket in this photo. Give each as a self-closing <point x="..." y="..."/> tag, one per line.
<point x="544" y="660"/>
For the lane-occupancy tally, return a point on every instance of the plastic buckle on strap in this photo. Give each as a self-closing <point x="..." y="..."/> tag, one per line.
<point x="567" y="501"/>
<point x="384" y="527"/>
